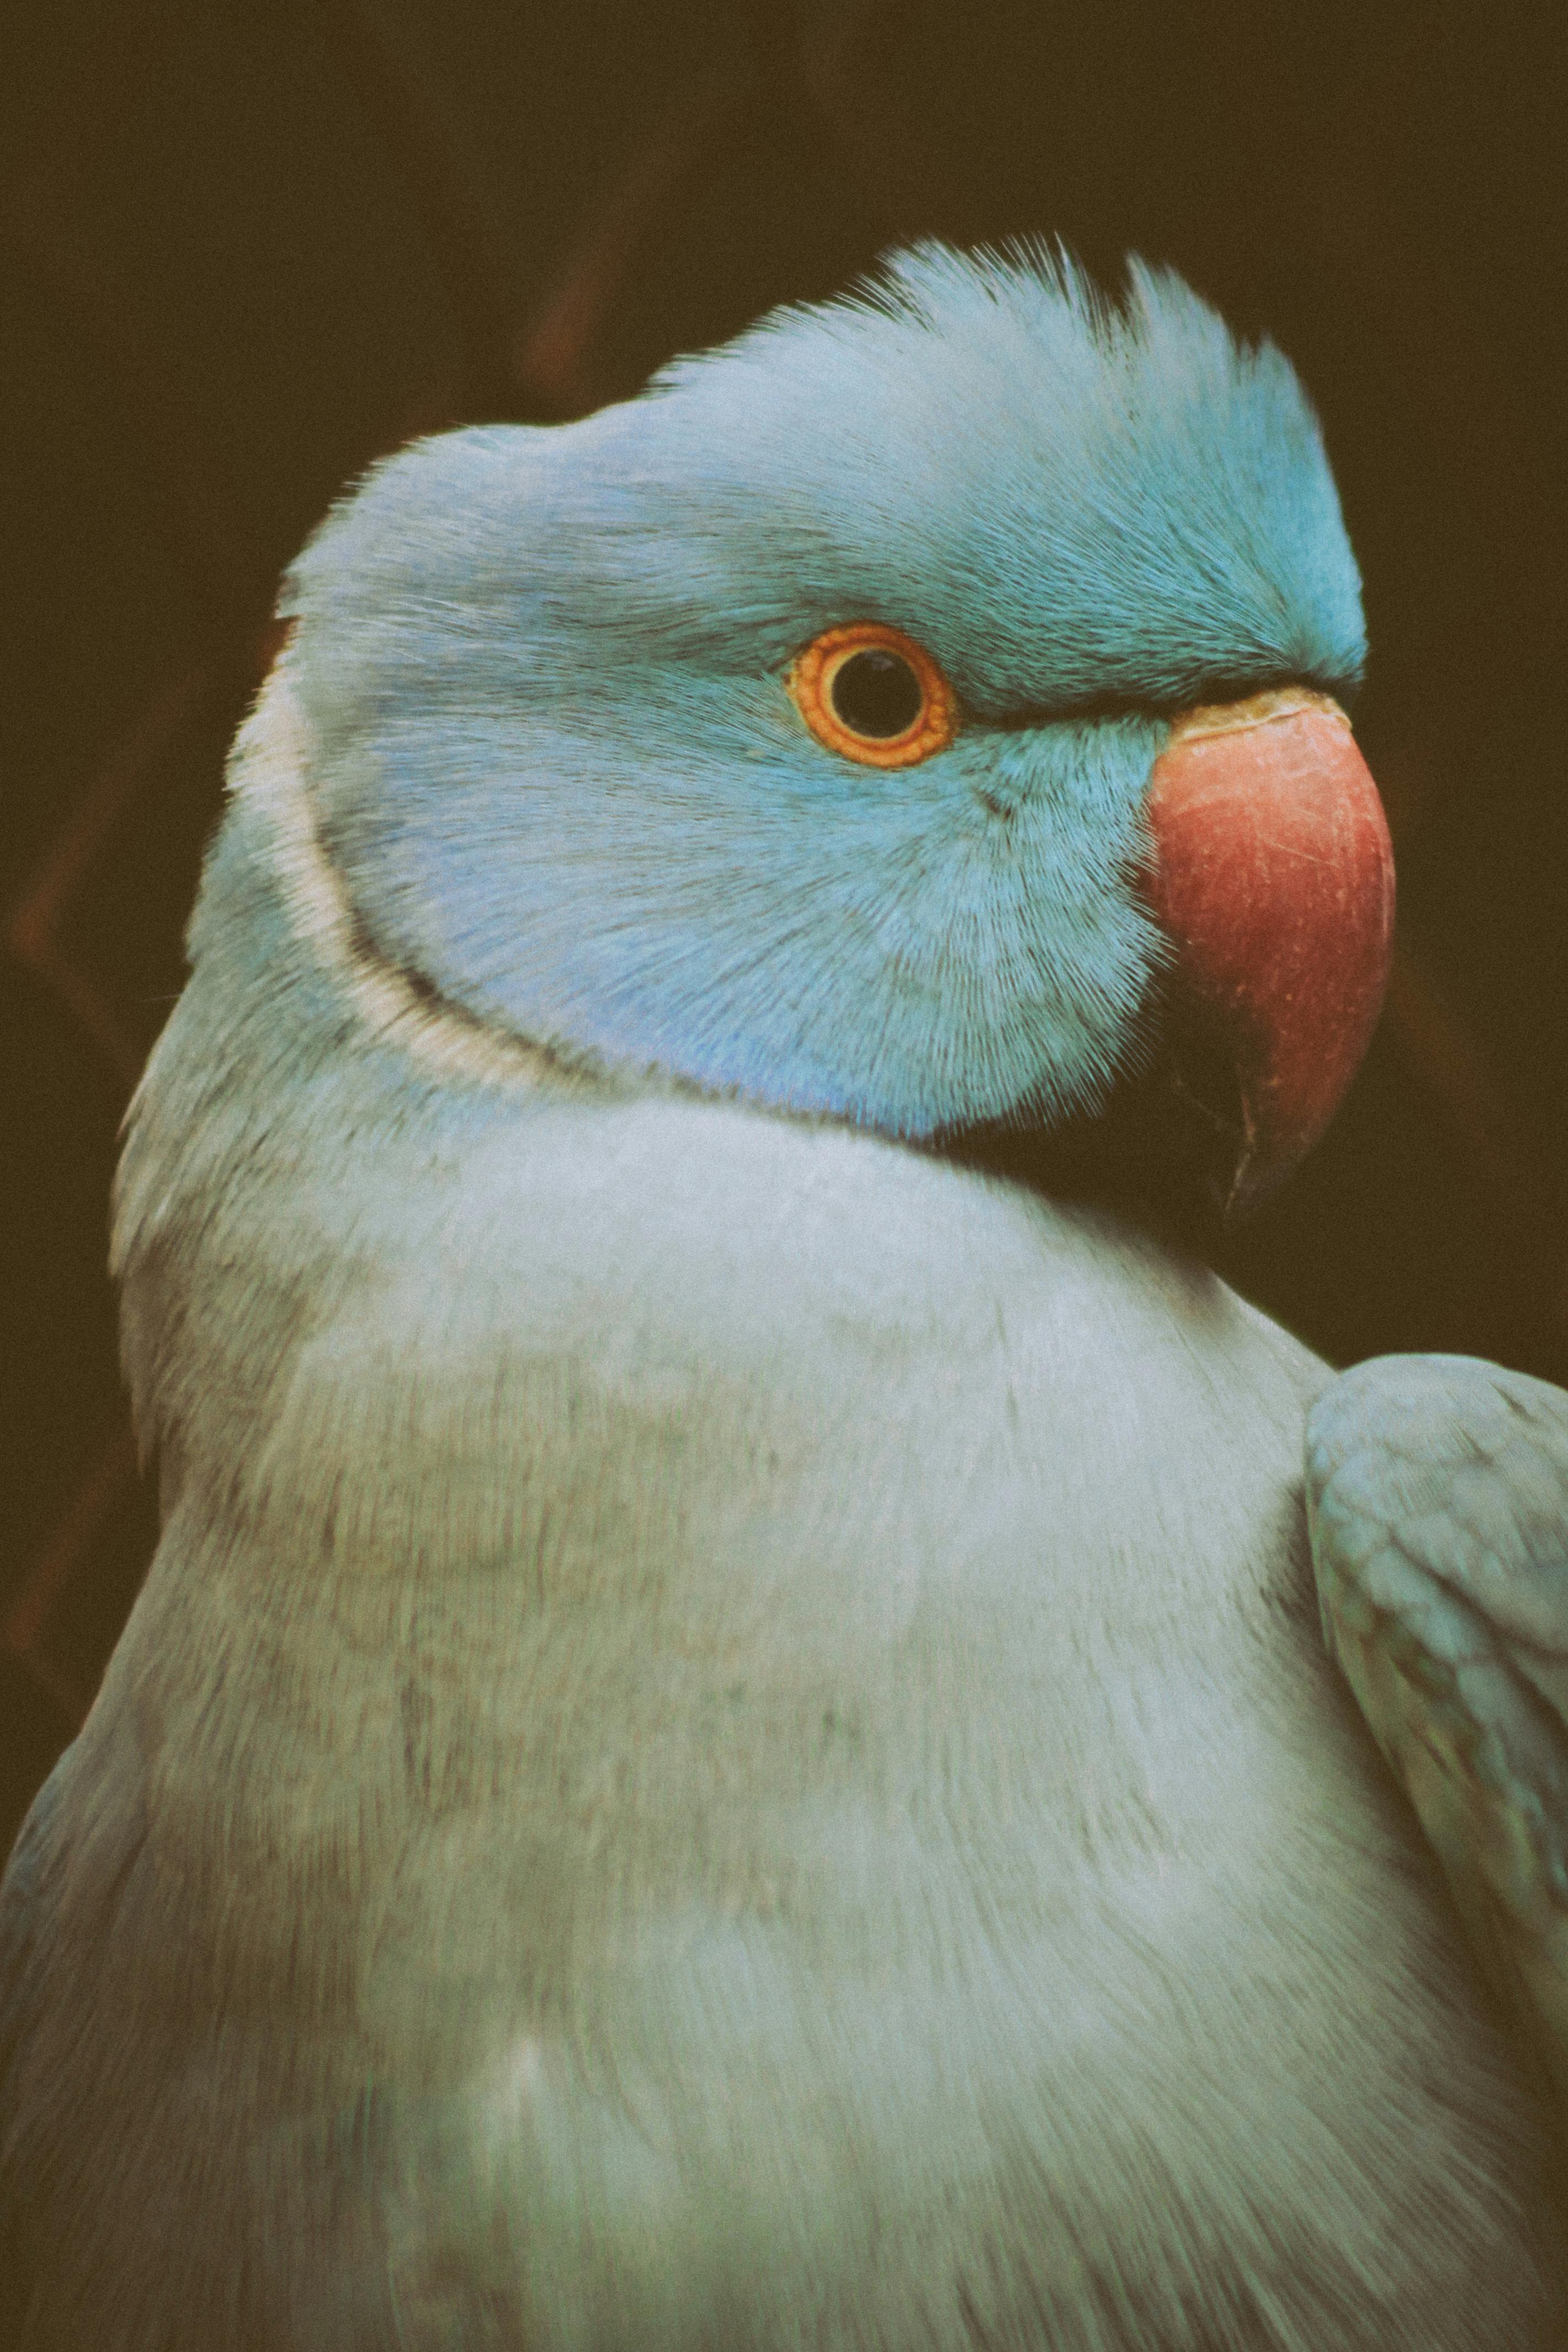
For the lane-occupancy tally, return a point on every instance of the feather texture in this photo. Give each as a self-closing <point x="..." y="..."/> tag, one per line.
<point x="559" y="769"/>
<point x="727" y="1748"/>
<point x="1438" y="1493"/>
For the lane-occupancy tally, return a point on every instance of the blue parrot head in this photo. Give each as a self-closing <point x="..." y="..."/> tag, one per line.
<point x="788" y="729"/>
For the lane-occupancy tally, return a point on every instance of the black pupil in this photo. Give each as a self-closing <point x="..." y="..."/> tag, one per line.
<point x="877" y="693"/>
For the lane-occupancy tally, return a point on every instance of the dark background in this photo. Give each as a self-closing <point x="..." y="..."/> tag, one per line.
<point x="247" y="247"/>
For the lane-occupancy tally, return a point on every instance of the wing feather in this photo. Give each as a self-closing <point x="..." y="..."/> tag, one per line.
<point x="1438" y="1497"/>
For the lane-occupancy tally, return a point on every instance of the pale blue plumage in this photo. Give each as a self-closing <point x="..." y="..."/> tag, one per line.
<point x="1437" y="1492"/>
<point x="561" y="769"/>
<point x="727" y="1748"/>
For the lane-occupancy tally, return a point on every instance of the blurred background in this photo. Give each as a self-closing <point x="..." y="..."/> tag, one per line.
<point x="248" y="248"/>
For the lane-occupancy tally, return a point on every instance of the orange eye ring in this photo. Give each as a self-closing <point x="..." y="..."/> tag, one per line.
<point x="826" y="698"/>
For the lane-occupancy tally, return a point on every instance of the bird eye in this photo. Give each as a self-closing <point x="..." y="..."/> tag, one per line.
<point x="873" y="694"/>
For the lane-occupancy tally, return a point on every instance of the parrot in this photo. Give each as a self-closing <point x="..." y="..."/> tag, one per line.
<point x="765" y="1717"/>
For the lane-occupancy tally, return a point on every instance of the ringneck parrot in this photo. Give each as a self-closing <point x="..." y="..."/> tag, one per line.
<point x="729" y="1745"/>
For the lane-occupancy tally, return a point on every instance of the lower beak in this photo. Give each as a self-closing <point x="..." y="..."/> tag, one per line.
<point x="1273" y="876"/>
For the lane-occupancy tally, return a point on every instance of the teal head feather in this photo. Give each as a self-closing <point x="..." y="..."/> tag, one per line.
<point x="560" y="770"/>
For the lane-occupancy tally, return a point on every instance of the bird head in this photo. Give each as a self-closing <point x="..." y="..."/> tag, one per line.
<point x="922" y="712"/>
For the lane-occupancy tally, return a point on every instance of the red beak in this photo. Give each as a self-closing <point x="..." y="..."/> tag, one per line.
<point x="1273" y="874"/>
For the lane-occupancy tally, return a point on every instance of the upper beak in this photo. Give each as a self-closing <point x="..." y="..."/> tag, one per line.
<point x="1273" y="876"/>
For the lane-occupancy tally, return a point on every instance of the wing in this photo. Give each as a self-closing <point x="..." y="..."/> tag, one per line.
<point x="1437" y="1497"/>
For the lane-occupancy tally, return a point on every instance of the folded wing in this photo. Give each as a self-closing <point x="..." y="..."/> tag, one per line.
<point x="1438" y="1496"/>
